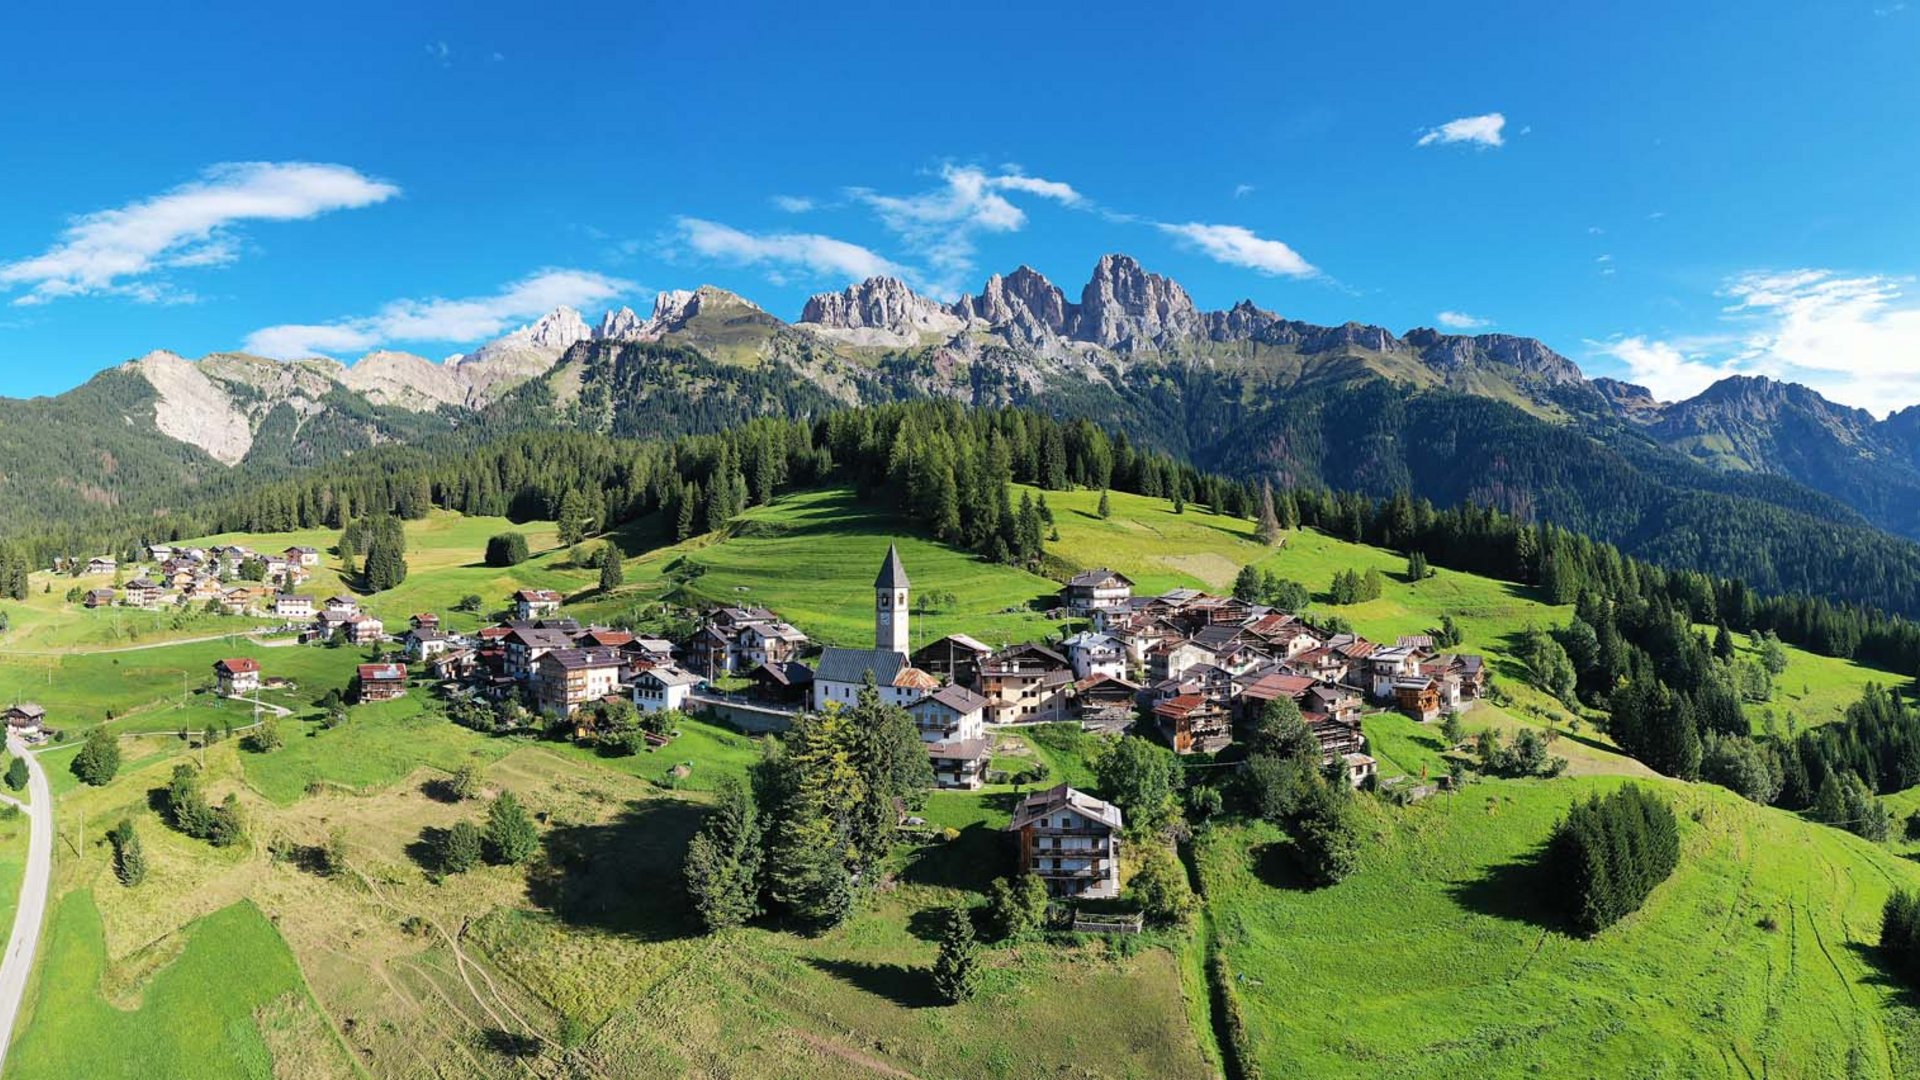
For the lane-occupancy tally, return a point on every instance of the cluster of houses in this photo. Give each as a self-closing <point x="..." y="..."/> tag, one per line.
<point x="195" y="575"/>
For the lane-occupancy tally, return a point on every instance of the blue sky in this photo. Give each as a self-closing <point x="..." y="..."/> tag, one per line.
<point x="1664" y="192"/>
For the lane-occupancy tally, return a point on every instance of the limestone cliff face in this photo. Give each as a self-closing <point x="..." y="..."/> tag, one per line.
<point x="880" y="311"/>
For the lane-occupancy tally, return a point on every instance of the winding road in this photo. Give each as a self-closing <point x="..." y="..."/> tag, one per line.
<point x="17" y="964"/>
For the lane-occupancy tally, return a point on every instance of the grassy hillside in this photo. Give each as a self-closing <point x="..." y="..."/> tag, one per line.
<point x="1437" y="959"/>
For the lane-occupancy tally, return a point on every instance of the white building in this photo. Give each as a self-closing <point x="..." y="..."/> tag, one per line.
<point x="1092" y="653"/>
<point x="662" y="687"/>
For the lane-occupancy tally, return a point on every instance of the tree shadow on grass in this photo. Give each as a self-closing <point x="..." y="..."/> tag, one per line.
<point x="1870" y="956"/>
<point x="1516" y="891"/>
<point x="971" y="862"/>
<point x="1277" y="865"/>
<point x="426" y="848"/>
<point x="907" y="987"/>
<point x="622" y="875"/>
<point x="440" y="790"/>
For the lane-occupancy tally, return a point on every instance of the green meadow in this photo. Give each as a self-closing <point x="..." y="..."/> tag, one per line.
<point x="224" y="1000"/>
<point x="1437" y="959"/>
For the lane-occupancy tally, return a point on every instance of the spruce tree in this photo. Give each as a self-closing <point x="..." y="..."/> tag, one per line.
<point x="511" y="836"/>
<point x="1266" y="526"/>
<point x="1105" y="509"/>
<point x="612" y="573"/>
<point x="460" y="848"/>
<point x="956" y="976"/>
<point x="129" y="859"/>
<point x="723" y="860"/>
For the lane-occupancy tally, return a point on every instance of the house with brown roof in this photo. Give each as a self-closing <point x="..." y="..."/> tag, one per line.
<point x="1194" y="723"/>
<point x="566" y="679"/>
<point x="1418" y="697"/>
<point x="237" y="675"/>
<point x="380" y="682"/>
<point x="98" y="598"/>
<point x="1071" y="841"/>
<point x="952" y="725"/>
<point x="364" y="629"/>
<point x="535" y="603"/>
<point x="955" y="657"/>
<point x="1096" y="593"/>
<point x="1026" y="684"/>
<point x="25" y="719"/>
<point x="141" y="593"/>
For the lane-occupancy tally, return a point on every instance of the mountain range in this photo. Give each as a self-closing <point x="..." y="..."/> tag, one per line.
<point x="1243" y="390"/>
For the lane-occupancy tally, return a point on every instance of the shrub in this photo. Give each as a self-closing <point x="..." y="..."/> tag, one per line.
<point x="1016" y="906"/>
<point x="466" y="781"/>
<point x="1327" y="834"/>
<point x="506" y="549"/>
<point x="1161" y="888"/>
<point x="17" y="774"/>
<point x="98" y="761"/>
<point x="460" y="848"/>
<point x="129" y="860"/>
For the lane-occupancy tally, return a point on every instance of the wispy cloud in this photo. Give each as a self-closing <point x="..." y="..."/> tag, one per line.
<point x="781" y="254"/>
<point x="456" y="321"/>
<point x="794" y="204"/>
<point x="441" y="53"/>
<point x="1241" y="191"/>
<point x="1483" y="130"/>
<point x="941" y="225"/>
<point x="1851" y="337"/>
<point x="1237" y="245"/>
<point x="193" y="225"/>
<point x="1460" y="320"/>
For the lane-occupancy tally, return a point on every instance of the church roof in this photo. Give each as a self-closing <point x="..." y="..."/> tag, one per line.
<point x="892" y="574"/>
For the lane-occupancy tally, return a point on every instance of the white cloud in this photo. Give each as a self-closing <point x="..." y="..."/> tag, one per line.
<point x="1460" y="320"/>
<point x="816" y="255"/>
<point x="941" y="225"/>
<point x="1667" y="368"/>
<point x="1241" y="191"/>
<point x="440" y="52"/>
<point x="1236" y="245"/>
<point x="111" y="251"/>
<point x="1853" y="338"/>
<point x="1484" y="130"/>
<point x="439" y="320"/>
<point x="793" y="204"/>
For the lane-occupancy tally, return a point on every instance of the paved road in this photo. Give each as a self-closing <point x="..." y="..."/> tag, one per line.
<point x="32" y="910"/>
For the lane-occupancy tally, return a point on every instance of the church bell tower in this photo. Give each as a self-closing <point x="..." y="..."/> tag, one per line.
<point x="890" y="605"/>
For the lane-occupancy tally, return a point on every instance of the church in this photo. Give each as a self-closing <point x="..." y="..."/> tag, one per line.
<point x="951" y="719"/>
<point x="841" y="672"/>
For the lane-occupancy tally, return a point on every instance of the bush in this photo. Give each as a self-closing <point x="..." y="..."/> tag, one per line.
<point x="265" y="738"/>
<point x="1607" y="855"/>
<point x="1161" y="888"/>
<point x="1326" y="833"/>
<point x="129" y="860"/>
<point x="506" y="549"/>
<point x="460" y="848"/>
<point x="333" y="856"/>
<point x="17" y="775"/>
<point x="465" y="783"/>
<point x="98" y="761"/>
<point x="1017" y="906"/>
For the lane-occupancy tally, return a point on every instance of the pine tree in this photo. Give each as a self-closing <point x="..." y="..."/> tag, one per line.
<point x="460" y="848"/>
<point x="723" y="861"/>
<point x="689" y="499"/>
<point x="17" y="775"/>
<point x="612" y="573"/>
<point x="956" y="976"/>
<point x="1266" y="528"/>
<point x="572" y="517"/>
<point x="1105" y="509"/>
<point x="510" y="834"/>
<point x="129" y="859"/>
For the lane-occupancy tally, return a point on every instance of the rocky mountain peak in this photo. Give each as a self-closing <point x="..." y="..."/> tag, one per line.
<point x="1124" y="305"/>
<point x="879" y="311"/>
<point x="1451" y="352"/>
<point x="1024" y="303"/>
<point x="621" y="325"/>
